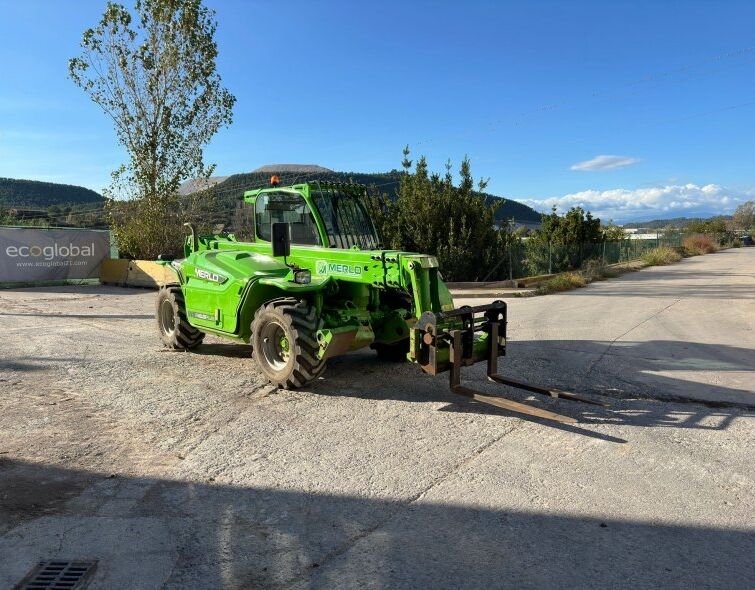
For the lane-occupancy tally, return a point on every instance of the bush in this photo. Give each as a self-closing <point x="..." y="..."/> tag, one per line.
<point x="596" y="270"/>
<point x="563" y="282"/>
<point x="697" y="245"/>
<point x="660" y="256"/>
<point x="563" y="242"/>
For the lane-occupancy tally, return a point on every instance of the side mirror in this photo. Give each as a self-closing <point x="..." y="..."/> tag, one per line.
<point x="281" y="239"/>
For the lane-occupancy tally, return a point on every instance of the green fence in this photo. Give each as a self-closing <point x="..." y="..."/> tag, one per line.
<point x="526" y="258"/>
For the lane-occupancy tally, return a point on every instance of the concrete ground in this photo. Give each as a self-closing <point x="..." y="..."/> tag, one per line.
<point x="185" y="470"/>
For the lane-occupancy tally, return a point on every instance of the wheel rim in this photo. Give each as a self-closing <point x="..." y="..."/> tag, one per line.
<point x="167" y="318"/>
<point x="275" y="346"/>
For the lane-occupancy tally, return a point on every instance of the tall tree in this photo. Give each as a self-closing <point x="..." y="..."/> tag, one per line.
<point x="154" y="74"/>
<point x="431" y="215"/>
<point x="563" y="242"/>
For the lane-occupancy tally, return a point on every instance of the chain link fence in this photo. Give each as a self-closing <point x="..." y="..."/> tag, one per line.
<point x="528" y="257"/>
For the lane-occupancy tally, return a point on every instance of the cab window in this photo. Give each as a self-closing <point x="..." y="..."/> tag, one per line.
<point x="287" y="208"/>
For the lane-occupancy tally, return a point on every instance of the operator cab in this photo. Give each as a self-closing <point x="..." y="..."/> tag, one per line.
<point x="285" y="207"/>
<point x="320" y="214"/>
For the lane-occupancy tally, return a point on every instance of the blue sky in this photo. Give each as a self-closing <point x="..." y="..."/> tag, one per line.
<point x="634" y="110"/>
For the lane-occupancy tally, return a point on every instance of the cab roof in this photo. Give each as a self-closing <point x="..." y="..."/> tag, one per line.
<point x="303" y="186"/>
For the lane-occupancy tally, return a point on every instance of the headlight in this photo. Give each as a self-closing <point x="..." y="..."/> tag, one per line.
<point x="303" y="277"/>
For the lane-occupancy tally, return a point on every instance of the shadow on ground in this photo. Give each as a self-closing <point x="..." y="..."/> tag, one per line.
<point x="154" y="533"/>
<point x="79" y="290"/>
<point x="623" y="374"/>
<point x="80" y="316"/>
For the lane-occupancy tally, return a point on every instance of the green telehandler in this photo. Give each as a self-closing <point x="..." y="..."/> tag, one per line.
<point x="314" y="282"/>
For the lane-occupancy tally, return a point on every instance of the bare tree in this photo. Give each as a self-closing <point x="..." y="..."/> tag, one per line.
<point x="744" y="216"/>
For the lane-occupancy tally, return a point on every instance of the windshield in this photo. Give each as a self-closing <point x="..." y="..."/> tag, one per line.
<point x="345" y="217"/>
<point x="286" y="207"/>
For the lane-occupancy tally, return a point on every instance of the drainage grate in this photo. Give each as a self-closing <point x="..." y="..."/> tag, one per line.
<point x="58" y="575"/>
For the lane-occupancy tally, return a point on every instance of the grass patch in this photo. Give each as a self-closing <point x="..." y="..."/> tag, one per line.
<point x="698" y="245"/>
<point x="661" y="256"/>
<point x="596" y="270"/>
<point x="563" y="282"/>
<point x="629" y="266"/>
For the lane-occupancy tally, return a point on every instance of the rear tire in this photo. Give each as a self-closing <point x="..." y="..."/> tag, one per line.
<point x="284" y="343"/>
<point x="175" y="330"/>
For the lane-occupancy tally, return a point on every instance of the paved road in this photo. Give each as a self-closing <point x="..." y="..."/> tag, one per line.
<point x="182" y="470"/>
<point x="685" y="331"/>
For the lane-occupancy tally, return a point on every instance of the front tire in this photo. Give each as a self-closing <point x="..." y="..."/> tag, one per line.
<point x="284" y="343"/>
<point x="175" y="330"/>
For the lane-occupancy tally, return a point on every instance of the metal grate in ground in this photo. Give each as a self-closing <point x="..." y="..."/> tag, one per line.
<point x="58" y="575"/>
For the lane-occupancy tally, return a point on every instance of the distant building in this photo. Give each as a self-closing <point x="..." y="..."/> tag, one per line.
<point x="642" y="233"/>
<point x="645" y="235"/>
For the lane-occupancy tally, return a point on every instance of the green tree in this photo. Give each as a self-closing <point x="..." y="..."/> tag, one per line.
<point x="613" y="232"/>
<point x="574" y="227"/>
<point x="434" y="216"/>
<point x="155" y="76"/>
<point x="563" y="242"/>
<point x="714" y="225"/>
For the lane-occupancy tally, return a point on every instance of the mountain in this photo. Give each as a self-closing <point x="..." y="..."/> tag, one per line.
<point x="199" y="184"/>
<point x="281" y="168"/>
<point x="33" y="194"/>
<point x="676" y="222"/>
<point x="231" y="188"/>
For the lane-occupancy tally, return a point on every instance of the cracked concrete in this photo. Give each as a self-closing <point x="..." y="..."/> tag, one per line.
<point x="186" y="470"/>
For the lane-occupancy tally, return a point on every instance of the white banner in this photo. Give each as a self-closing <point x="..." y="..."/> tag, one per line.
<point x="34" y="254"/>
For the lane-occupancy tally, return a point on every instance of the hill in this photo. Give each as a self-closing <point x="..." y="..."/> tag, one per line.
<point x="230" y="188"/>
<point x="675" y="222"/>
<point x="33" y="194"/>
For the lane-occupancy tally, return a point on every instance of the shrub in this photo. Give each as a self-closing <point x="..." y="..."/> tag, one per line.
<point x="596" y="270"/>
<point x="661" y="255"/>
<point x="563" y="282"/>
<point x="697" y="245"/>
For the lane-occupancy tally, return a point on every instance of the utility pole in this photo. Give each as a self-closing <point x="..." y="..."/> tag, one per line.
<point x="510" y="240"/>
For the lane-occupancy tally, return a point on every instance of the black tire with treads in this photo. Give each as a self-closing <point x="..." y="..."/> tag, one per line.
<point x="175" y="330"/>
<point x="298" y="322"/>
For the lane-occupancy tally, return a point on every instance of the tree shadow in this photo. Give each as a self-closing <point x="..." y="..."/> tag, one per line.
<point x="20" y="366"/>
<point x="161" y="533"/>
<point x="74" y="289"/>
<point x="82" y="316"/>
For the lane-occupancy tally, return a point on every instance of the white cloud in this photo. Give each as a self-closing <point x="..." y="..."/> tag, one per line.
<point x="677" y="200"/>
<point x="604" y="163"/>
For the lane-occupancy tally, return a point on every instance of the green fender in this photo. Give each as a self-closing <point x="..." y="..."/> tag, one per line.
<point x="265" y="289"/>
